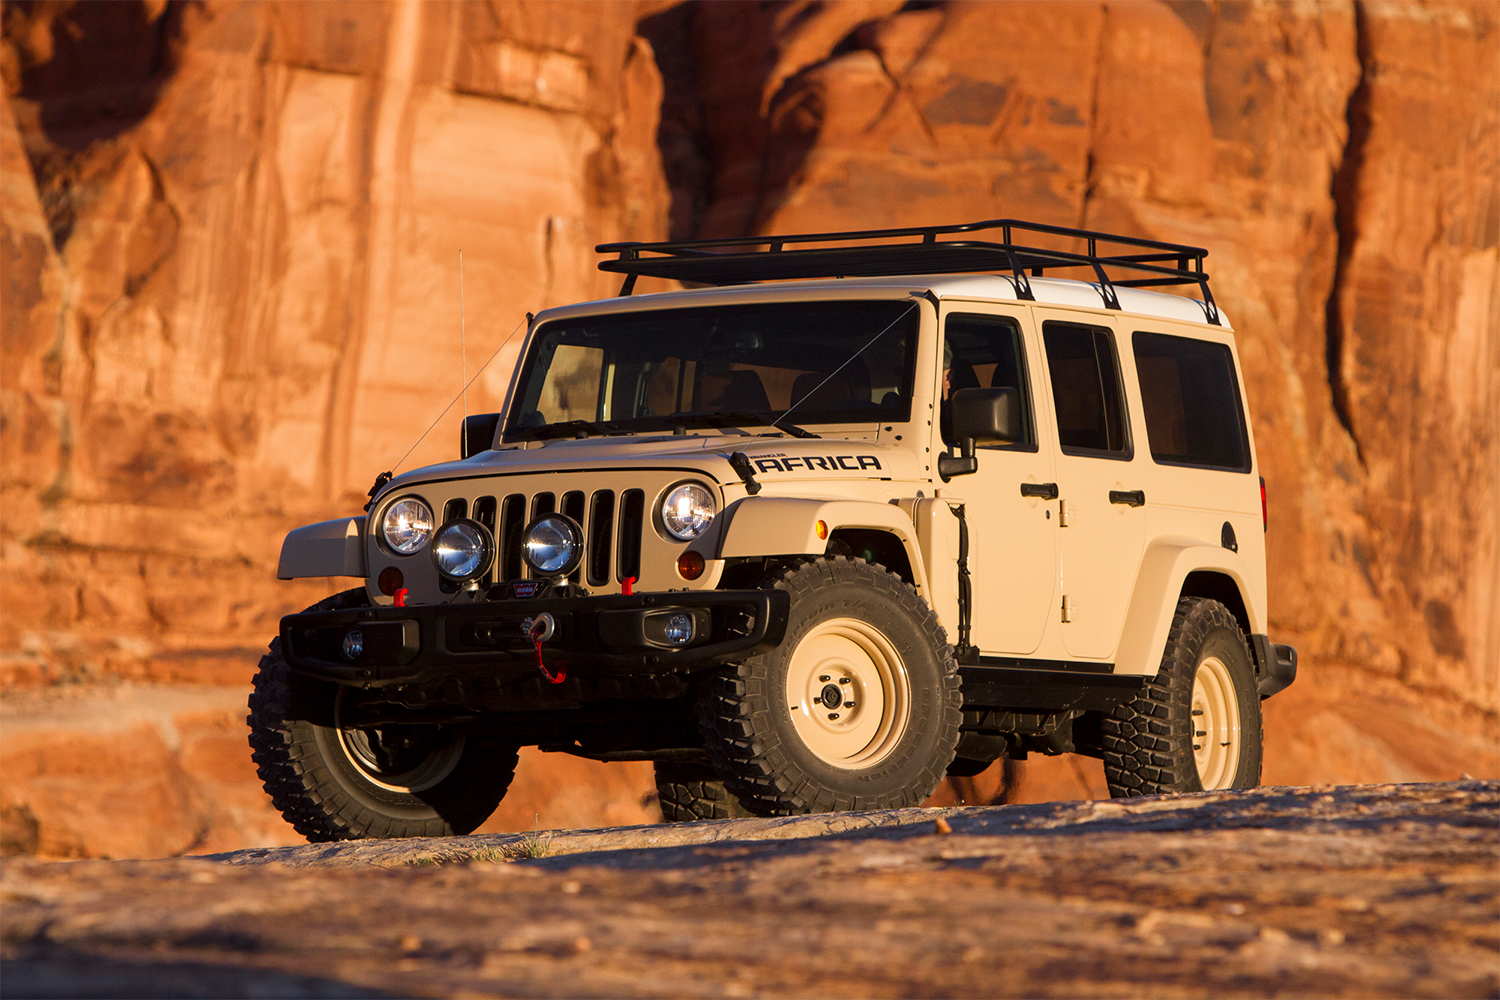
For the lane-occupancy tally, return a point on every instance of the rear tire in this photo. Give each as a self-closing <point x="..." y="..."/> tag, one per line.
<point x="858" y="708"/>
<point x="689" y="792"/>
<point x="333" y="782"/>
<point x="1197" y="724"/>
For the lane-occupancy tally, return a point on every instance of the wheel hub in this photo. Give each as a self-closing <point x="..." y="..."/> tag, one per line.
<point x="1216" y="725"/>
<point x="848" y="693"/>
<point x="398" y="758"/>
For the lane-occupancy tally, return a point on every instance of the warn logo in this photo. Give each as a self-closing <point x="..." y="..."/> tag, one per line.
<point x="817" y="463"/>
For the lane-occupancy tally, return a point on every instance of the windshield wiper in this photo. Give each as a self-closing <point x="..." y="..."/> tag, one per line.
<point x="736" y="418"/>
<point x="567" y="428"/>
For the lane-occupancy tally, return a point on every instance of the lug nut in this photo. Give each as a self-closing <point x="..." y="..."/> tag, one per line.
<point x="833" y="715"/>
<point x="825" y="679"/>
<point x="848" y="704"/>
<point x="843" y="680"/>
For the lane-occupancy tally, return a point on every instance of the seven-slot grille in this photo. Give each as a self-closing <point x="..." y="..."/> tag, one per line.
<point x="612" y="528"/>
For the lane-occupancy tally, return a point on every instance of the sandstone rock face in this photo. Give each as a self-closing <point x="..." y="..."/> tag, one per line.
<point x="232" y="297"/>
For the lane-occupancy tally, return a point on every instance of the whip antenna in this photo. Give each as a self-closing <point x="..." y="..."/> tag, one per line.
<point x="463" y="338"/>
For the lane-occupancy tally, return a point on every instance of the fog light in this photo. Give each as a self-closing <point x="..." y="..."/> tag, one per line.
<point x="354" y="644"/>
<point x="690" y="565"/>
<point x="678" y="629"/>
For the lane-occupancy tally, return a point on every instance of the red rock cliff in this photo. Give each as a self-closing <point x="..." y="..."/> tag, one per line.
<point x="231" y="241"/>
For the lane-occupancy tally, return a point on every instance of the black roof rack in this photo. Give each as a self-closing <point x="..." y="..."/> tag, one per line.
<point x="736" y="261"/>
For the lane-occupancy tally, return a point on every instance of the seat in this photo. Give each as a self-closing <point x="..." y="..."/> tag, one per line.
<point x="809" y="391"/>
<point x="961" y="375"/>
<point x="730" y="391"/>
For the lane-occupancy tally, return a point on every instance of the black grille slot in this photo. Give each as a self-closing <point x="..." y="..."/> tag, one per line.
<point x="512" y="524"/>
<point x="543" y="503"/>
<point x="601" y="537"/>
<point x="573" y="503"/>
<point x="484" y="513"/>
<point x="632" y="523"/>
<point x="455" y="509"/>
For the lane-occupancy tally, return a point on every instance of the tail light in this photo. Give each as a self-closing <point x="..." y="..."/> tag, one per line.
<point x="1263" y="522"/>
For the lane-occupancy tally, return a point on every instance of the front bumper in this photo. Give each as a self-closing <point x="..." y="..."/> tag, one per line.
<point x="604" y="635"/>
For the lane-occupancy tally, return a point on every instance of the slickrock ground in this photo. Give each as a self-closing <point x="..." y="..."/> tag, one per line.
<point x="229" y="243"/>
<point x="1374" y="890"/>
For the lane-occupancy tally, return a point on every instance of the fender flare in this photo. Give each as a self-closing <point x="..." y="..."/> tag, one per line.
<point x="1165" y="566"/>
<point x="328" y="548"/>
<point x="774" y="526"/>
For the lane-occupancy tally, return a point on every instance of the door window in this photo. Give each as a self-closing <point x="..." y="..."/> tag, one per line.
<point x="986" y="351"/>
<point x="1086" y="390"/>
<point x="1191" y="400"/>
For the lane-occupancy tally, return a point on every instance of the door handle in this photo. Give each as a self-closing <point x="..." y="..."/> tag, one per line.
<point x="1130" y="498"/>
<point x="1047" y="491"/>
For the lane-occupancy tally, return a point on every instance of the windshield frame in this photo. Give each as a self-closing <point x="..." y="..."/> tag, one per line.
<point x="901" y="324"/>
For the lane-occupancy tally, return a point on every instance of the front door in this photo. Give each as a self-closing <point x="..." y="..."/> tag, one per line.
<point x="1012" y="537"/>
<point x="1100" y="483"/>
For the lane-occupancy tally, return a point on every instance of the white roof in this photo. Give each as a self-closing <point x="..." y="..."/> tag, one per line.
<point x="994" y="287"/>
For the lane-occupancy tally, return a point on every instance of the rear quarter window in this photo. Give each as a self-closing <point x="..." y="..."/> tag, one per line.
<point x="1191" y="400"/>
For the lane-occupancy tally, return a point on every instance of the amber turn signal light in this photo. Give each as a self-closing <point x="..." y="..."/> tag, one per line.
<point x="390" y="581"/>
<point x="690" y="565"/>
<point x="822" y="529"/>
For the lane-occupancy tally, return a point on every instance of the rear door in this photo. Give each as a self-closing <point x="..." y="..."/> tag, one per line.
<point x="1012" y="537"/>
<point x="1100" y="480"/>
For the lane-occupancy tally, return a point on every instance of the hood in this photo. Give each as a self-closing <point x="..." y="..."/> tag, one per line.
<point x="789" y="461"/>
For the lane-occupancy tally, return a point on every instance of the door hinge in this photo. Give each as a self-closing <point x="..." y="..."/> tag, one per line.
<point x="1064" y="513"/>
<point x="1068" y="608"/>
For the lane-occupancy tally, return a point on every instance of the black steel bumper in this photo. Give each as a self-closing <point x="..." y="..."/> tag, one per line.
<point x="607" y="634"/>
<point x="1275" y="666"/>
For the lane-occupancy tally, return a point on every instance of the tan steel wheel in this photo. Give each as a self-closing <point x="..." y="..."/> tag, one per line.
<point x="1216" y="724"/>
<point x="400" y="758"/>
<point x="848" y="693"/>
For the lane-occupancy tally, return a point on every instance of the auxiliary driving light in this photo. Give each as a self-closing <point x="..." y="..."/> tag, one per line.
<point x="463" y="550"/>
<point x="552" y="545"/>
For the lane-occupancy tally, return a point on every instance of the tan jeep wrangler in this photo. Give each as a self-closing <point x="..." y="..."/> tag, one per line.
<point x="859" y="511"/>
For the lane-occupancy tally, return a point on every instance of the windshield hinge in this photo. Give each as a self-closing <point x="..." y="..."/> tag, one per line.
<point x="740" y="463"/>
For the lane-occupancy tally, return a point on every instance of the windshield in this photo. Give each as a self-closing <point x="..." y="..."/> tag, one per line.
<point x="719" y="366"/>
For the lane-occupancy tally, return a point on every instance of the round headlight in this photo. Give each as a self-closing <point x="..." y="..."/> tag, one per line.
<point x="407" y="525"/>
<point x="553" y="545"/>
<point x="687" y="510"/>
<point x="462" y="550"/>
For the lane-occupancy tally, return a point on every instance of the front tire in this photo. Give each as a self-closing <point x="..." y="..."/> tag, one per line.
<point x="338" y="782"/>
<point x="688" y="792"/>
<point x="858" y="708"/>
<point x="1196" y="725"/>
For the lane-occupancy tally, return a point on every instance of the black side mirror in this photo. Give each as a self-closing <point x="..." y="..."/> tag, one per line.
<point x="478" y="434"/>
<point x="980" y="416"/>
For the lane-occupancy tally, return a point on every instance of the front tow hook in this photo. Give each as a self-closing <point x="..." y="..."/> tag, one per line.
<point x="539" y="630"/>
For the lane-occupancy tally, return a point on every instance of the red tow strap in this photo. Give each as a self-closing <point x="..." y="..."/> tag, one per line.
<point x="535" y="634"/>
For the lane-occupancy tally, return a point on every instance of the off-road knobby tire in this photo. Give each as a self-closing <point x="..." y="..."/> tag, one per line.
<point x="690" y="792"/>
<point x="324" y="795"/>
<point x="743" y="710"/>
<point x="1148" y="741"/>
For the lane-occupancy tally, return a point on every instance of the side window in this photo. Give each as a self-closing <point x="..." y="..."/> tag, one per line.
<point x="1192" y="402"/>
<point x="985" y="351"/>
<point x="1085" y="377"/>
